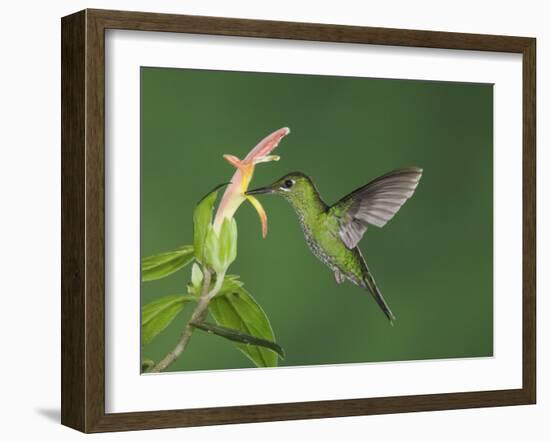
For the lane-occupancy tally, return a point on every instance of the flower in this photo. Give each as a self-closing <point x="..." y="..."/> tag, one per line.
<point x="234" y="194"/>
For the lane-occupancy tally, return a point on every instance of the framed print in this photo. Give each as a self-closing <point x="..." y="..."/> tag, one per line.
<point x="269" y="220"/>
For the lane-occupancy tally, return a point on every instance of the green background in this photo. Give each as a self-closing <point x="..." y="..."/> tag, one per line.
<point x="433" y="261"/>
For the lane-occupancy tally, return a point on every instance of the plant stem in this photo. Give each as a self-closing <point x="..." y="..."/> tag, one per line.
<point x="198" y="316"/>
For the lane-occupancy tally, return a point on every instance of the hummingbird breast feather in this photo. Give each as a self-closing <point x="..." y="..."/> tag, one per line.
<point x="344" y="263"/>
<point x="316" y="246"/>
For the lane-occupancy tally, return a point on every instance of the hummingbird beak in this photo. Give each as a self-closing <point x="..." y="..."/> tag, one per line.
<point x="259" y="191"/>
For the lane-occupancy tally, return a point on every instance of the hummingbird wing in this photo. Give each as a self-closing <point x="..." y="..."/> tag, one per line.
<point x="375" y="203"/>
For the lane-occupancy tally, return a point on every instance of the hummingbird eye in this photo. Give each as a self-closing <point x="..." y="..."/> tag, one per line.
<point x="288" y="184"/>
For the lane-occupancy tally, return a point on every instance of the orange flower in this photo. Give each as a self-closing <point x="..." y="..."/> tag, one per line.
<point x="234" y="195"/>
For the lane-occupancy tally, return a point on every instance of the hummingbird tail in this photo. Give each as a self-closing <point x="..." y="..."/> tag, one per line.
<point x="370" y="284"/>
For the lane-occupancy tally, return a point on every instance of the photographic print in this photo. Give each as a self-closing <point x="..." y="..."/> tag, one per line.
<point x="296" y="220"/>
<point x="348" y="212"/>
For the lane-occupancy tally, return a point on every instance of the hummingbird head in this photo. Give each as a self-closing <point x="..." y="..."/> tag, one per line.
<point x="295" y="187"/>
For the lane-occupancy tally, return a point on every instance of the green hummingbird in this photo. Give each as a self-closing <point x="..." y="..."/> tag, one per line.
<point x="333" y="232"/>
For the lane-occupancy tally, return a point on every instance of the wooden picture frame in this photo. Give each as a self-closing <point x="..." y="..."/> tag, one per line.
<point x="83" y="220"/>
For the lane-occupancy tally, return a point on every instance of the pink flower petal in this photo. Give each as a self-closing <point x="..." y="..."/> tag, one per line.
<point x="233" y="160"/>
<point x="231" y="200"/>
<point x="234" y="194"/>
<point x="268" y="143"/>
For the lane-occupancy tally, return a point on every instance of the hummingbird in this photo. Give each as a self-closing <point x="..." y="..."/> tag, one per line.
<point x="333" y="232"/>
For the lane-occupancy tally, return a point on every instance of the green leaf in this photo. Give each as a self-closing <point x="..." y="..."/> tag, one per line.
<point x="196" y="276"/>
<point x="202" y="220"/>
<point x="228" y="242"/>
<point x="146" y="365"/>
<point x="212" y="250"/>
<point x="230" y="283"/>
<point x="238" y="336"/>
<point x="164" y="264"/>
<point x="220" y="250"/>
<point x="236" y="309"/>
<point x="158" y="314"/>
